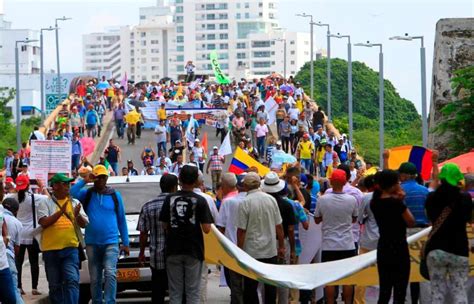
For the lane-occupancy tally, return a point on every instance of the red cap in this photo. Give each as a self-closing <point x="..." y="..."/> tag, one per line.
<point x="9" y="180"/>
<point x="306" y="136"/>
<point x="22" y="182"/>
<point x="339" y="175"/>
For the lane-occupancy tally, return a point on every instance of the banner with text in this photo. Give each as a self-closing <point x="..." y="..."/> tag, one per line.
<point x="49" y="156"/>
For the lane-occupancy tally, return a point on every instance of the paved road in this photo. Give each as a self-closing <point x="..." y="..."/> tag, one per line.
<point x="133" y="152"/>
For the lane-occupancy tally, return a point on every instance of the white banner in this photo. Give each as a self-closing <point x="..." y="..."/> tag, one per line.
<point x="49" y="156"/>
<point x="271" y="107"/>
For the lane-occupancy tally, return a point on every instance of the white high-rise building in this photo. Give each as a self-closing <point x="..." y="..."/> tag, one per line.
<point x="243" y="33"/>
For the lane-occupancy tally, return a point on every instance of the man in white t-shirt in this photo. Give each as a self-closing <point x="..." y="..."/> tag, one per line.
<point x="294" y="112"/>
<point x="337" y="211"/>
<point x="7" y="289"/>
<point x="161" y="136"/>
<point x="226" y="222"/>
<point x="261" y="131"/>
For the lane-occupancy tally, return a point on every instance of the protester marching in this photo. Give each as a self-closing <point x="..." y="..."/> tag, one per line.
<point x="280" y="172"/>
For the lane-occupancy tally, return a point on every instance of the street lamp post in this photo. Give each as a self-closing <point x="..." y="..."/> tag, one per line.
<point x="424" y="112"/>
<point x="349" y="81"/>
<point x="17" y="88"/>
<point x="381" y="98"/>
<point x="43" y="105"/>
<point x="284" y="55"/>
<point x="328" y="70"/>
<point x="57" y="54"/>
<point x="311" y="63"/>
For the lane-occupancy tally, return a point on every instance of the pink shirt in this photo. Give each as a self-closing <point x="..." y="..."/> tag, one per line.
<point x="238" y="122"/>
<point x="261" y="130"/>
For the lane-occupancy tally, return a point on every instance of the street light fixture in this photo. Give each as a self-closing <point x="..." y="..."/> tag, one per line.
<point x="311" y="64"/>
<point x="57" y="54"/>
<point x="43" y="105"/>
<point x="284" y="54"/>
<point x="381" y="98"/>
<point x="349" y="81"/>
<point x="17" y="88"/>
<point x="328" y="34"/>
<point x="424" y="110"/>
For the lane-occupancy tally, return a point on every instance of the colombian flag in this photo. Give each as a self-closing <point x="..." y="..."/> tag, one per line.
<point x="419" y="156"/>
<point x="242" y="161"/>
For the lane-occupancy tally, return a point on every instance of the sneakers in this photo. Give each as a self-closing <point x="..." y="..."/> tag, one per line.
<point x="35" y="292"/>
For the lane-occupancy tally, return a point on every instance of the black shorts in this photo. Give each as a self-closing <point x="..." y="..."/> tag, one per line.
<point x="335" y="255"/>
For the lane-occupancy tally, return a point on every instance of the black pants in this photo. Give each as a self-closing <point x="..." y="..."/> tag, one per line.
<point x="250" y="287"/>
<point x="33" y="252"/>
<point x="189" y="77"/>
<point x="285" y="143"/>
<point x="139" y="129"/>
<point x="223" y="133"/>
<point x="393" y="263"/>
<point x="159" y="280"/>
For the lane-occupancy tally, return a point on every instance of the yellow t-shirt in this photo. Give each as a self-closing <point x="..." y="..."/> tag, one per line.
<point x="161" y="114"/>
<point x="306" y="149"/>
<point x="299" y="105"/>
<point x="61" y="234"/>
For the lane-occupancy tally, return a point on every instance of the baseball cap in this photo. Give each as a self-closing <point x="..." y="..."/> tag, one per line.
<point x="60" y="178"/>
<point x="22" y="182"/>
<point x="251" y="178"/>
<point x="451" y="173"/>
<point x="197" y="140"/>
<point x="9" y="180"/>
<point x="278" y="142"/>
<point x="306" y="136"/>
<point x="215" y="148"/>
<point x="338" y="175"/>
<point x="99" y="170"/>
<point x="408" y="168"/>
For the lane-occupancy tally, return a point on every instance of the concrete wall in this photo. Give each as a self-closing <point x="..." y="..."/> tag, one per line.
<point x="453" y="49"/>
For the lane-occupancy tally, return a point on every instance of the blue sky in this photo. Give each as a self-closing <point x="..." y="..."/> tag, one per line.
<point x="374" y="20"/>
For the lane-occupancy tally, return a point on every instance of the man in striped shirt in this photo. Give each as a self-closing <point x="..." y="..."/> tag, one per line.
<point x="149" y="223"/>
<point x="215" y="163"/>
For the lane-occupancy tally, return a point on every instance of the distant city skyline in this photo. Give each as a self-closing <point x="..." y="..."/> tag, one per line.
<point x="375" y="21"/>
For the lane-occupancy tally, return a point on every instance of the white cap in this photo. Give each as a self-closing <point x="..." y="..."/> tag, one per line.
<point x="197" y="140"/>
<point x="214" y="148"/>
<point x="278" y="142"/>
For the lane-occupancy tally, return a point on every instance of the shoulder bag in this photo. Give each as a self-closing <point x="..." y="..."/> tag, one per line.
<point x="423" y="253"/>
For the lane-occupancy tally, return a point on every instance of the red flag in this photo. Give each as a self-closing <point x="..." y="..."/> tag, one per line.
<point x="204" y="142"/>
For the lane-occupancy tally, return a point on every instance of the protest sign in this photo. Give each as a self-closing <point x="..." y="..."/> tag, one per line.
<point x="220" y="77"/>
<point x="49" y="156"/>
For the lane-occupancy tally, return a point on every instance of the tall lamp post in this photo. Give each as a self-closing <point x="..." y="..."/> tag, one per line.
<point x="311" y="64"/>
<point x="17" y="88"/>
<point x="43" y="105"/>
<point x="349" y="81"/>
<point x="424" y="112"/>
<point x="284" y="54"/>
<point x="57" y="54"/>
<point x="328" y="34"/>
<point x="381" y="98"/>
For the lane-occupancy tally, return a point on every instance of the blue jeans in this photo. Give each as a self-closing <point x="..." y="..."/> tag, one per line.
<point x="161" y="146"/>
<point x="7" y="290"/>
<point x="62" y="272"/>
<point x="103" y="259"/>
<point x="261" y="146"/>
<point x="115" y="168"/>
<point x="75" y="159"/>
<point x="12" y="265"/>
<point x="119" y="125"/>
<point x="306" y="163"/>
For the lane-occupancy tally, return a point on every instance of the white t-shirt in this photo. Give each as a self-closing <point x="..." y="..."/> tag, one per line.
<point x="294" y="113"/>
<point x="199" y="154"/>
<point x="337" y="211"/>
<point x="3" y="249"/>
<point x="353" y="175"/>
<point x="25" y="216"/>
<point x="162" y="136"/>
<point x="261" y="130"/>
<point x="228" y="214"/>
<point x="14" y="227"/>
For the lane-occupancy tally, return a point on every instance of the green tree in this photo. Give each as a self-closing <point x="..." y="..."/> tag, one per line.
<point x="8" y="130"/>
<point x="458" y="115"/>
<point x="402" y="122"/>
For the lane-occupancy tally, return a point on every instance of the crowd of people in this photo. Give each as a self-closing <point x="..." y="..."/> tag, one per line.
<point x="360" y="207"/>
